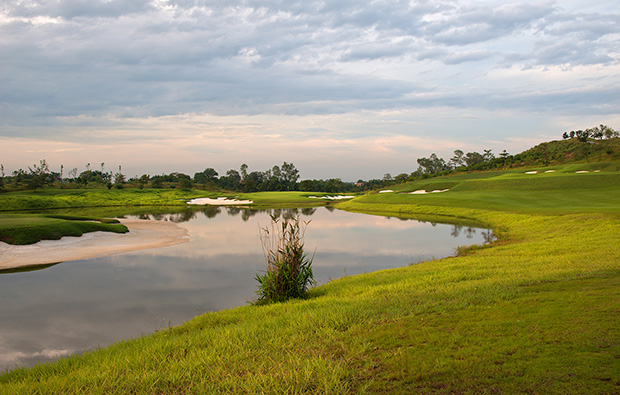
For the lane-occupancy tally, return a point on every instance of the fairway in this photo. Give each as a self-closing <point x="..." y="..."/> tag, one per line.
<point x="535" y="312"/>
<point x="561" y="191"/>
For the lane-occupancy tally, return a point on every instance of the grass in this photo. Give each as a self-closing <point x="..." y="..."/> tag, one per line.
<point x="76" y="198"/>
<point x="54" y="199"/>
<point x="31" y="228"/>
<point x="537" y="312"/>
<point x="294" y="199"/>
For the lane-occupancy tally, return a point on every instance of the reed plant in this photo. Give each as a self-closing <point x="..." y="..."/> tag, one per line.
<point x="289" y="268"/>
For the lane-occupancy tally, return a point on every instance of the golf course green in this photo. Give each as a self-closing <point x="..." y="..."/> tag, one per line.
<point x="536" y="311"/>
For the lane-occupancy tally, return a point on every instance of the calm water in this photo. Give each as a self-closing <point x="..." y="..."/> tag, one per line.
<point x="81" y="305"/>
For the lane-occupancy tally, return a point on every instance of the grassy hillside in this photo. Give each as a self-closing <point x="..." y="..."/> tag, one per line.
<point x="537" y="312"/>
<point x="554" y="189"/>
<point x="571" y="151"/>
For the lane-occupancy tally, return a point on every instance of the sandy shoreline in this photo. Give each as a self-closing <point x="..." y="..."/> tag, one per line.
<point x="143" y="234"/>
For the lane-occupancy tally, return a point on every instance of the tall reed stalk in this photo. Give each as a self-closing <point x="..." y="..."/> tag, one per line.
<point x="289" y="269"/>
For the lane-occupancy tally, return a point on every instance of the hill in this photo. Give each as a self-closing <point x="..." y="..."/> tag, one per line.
<point x="570" y="151"/>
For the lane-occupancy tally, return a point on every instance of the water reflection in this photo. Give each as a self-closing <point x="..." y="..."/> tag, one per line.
<point x="81" y="305"/>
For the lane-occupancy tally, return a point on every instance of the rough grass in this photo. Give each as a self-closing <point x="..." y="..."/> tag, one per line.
<point x="535" y="313"/>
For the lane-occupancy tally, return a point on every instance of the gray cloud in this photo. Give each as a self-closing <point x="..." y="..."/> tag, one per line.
<point x="153" y="58"/>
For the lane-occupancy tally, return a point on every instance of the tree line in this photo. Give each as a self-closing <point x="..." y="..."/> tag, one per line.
<point x="597" y="133"/>
<point x="286" y="176"/>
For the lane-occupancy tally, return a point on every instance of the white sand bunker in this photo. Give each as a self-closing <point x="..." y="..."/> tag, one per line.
<point x="424" y="192"/>
<point x="221" y="201"/>
<point x="531" y="172"/>
<point x="550" y="171"/>
<point x="582" y="171"/>
<point x="386" y="191"/>
<point x="338" y="197"/>
<point x="142" y="235"/>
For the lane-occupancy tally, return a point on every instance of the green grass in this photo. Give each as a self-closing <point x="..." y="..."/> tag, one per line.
<point x="75" y="198"/>
<point x="563" y="191"/>
<point x="294" y="199"/>
<point x="537" y="312"/>
<point x="55" y="199"/>
<point x="30" y="228"/>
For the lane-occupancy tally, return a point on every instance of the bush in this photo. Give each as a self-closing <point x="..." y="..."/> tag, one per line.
<point x="289" y="270"/>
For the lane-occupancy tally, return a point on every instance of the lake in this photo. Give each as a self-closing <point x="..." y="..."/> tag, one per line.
<point x="81" y="305"/>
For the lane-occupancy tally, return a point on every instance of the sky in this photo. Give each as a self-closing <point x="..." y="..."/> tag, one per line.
<point x="344" y="89"/>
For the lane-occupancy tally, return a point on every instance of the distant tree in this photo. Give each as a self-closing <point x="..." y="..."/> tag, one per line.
<point x="39" y="175"/>
<point x="432" y="165"/>
<point x="157" y="182"/>
<point x="582" y="135"/>
<point x="572" y="134"/>
<point x="473" y="158"/>
<point x="1" y="176"/>
<point x="231" y="181"/>
<point x="488" y="155"/>
<point x="243" y="170"/>
<point x="143" y="180"/>
<point x="608" y="132"/>
<point x="458" y="159"/>
<point x="185" y="183"/>
<point x="401" y="178"/>
<point x="119" y="179"/>
<point x="73" y="173"/>
<point x="565" y="135"/>
<point x="208" y="175"/>
<point x="289" y="176"/>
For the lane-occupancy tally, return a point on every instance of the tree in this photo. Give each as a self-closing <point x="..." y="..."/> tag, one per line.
<point x="473" y="158"/>
<point x="458" y="159"/>
<point x="488" y="155"/>
<point x="143" y="180"/>
<point x="565" y="135"/>
<point x="1" y="176"/>
<point x="157" y="182"/>
<point x="232" y="180"/>
<point x="582" y="135"/>
<point x="401" y="178"/>
<point x="289" y="176"/>
<point x="73" y="173"/>
<point x="609" y="132"/>
<point x="244" y="171"/>
<point x="119" y="179"/>
<point x="432" y="165"/>
<point x="39" y="175"/>
<point x="208" y="175"/>
<point x="185" y="183"/>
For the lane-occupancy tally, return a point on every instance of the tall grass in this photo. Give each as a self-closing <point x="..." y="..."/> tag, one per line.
<point x="289" y="269"/>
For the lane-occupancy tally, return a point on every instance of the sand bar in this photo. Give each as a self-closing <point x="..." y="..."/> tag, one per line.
<point x="143" y="234"/>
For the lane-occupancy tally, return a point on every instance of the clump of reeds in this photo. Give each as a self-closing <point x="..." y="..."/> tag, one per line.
<point x="289" y="269"/>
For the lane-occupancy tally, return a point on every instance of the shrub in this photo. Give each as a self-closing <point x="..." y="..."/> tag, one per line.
<point x="289" y="269"/>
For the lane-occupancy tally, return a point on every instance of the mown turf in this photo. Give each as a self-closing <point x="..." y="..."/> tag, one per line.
<point x="537" y="312"/>
<point x="31" y="228"/>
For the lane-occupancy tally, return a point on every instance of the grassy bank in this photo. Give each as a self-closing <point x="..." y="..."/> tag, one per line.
<point x="79" y="198"/>
<point x="55" y="199"/>
<point x="537" y="312"/>
<point x="30" y="228"/>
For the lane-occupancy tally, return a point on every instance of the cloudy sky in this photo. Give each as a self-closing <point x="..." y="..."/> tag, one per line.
<point x="341" y="88"/>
